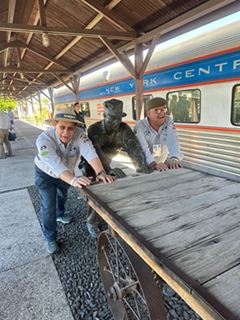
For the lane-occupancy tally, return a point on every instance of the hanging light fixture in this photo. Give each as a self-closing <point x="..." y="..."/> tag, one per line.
<point x="45" y="40"/>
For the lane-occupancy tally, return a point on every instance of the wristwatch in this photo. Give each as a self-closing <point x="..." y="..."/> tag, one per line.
<point x="101" y="172"/>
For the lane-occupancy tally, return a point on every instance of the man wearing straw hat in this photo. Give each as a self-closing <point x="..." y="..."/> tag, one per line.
<point x="59" y="148"/>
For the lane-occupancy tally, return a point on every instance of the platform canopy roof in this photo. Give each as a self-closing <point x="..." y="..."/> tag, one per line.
<point x="47" y="43"/>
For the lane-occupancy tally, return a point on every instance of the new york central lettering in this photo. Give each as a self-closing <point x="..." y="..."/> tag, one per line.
<point x="219" y="68"/>
<point x="112" y="90"/>
<point x="197" y="71"/>
<point x="146" y="82"/>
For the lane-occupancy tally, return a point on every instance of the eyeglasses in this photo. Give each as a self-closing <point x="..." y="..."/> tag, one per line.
<point x="158" y="111"/>
<point x="68" y="128"/>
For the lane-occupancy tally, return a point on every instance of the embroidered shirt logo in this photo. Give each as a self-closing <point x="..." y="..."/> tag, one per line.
<point x="147" y="132"/>
<point x="85" y="139"/>
<point x="43" y="149"/>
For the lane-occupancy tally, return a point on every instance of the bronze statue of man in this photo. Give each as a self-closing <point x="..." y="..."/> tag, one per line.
<point x="109" y="136"/>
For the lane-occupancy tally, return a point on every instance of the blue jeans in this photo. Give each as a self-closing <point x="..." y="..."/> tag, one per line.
<point x="53" y="193"/>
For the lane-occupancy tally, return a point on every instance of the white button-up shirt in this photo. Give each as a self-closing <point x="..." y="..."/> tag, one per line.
<point x="166" y="136"/>
<point x="4" y="122"/>
<point x="54" y="158"/>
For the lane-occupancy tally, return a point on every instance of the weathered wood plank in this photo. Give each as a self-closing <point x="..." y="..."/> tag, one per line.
<point x="226" y="288"/>
<point x="156" y="198"/>
<point x="137" y="184"/>
<point x="139" y="178"/>
<point x="193" y="233"/>
<point x="208" y="259"/>
<point x="135" y="197"/>
<point x="184" y="214"/>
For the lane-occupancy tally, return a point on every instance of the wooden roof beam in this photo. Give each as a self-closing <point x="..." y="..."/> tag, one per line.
<point x="20" y="44"/>
<point x="29" y="79"/>
<point x="19" y="85"/>
<point x="126" y="62"/>
<point x="110" y="16"/>
<point x="4" y="47"/>
<point x="19" y="58"/>
<point x="11" y="10"/>
<point x="42" y="15"/>
<point x="67" y="31"/>
<point x="91" y="24"/>
<point x="26" y="79"/>
<point x="49" y="97"/>
<point x="149" y="55"/>
<point x="17" y="44"/>
<point x="63" y="82"/>
<point x="13" y="70"/>
<point x="31" y="34"/>
<point x="35" y="23"/>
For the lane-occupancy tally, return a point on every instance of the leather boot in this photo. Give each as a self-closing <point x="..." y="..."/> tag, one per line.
<point x="93" y="230"/>
<point x="92" y="222"/>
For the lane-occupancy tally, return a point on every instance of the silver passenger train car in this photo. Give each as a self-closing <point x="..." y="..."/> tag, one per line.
<point x="200" y="78"/>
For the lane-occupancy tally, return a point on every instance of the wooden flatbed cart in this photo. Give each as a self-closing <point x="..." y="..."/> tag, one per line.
<point x="182" y="226"/>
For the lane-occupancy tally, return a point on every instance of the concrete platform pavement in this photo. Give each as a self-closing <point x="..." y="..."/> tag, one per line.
<point x="29" y="284"/>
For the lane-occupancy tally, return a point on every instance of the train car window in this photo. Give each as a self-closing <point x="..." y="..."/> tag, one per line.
<point x="235" y="114"/>
<point x="85" y="107"/>
<point x="184" y="106"/>
<point x="146" y="98"/>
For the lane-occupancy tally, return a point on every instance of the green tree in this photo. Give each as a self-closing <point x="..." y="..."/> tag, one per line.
<point x="7" y="102"/>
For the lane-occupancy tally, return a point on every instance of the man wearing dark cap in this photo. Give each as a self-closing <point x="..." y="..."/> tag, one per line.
<point x="108" y="137"/>
<point x="158" y="137"/>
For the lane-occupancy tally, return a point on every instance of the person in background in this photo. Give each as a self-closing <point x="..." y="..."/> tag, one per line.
<point x="10" y="115"/>
<point x="79" y="115"/>
<point x="173" y="108"/>
<point x="158" y="137"/>
<point x="4" y="126"/>
<point x="109" y="136"/>
<point x="183" y="107"/>
<point x="59" y="148"/>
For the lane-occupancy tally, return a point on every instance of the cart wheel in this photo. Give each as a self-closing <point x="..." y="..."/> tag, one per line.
<point x="128" y="281"/>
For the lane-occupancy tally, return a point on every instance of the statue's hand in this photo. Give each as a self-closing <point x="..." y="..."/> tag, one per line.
<point x="145" y="169"/>
<point x="117" y="172"/>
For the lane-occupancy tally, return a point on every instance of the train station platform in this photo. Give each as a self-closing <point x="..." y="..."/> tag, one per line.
<point x="30" y="287"/>
<point x="33" y="284"/>
<point x="29" y="284"/>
